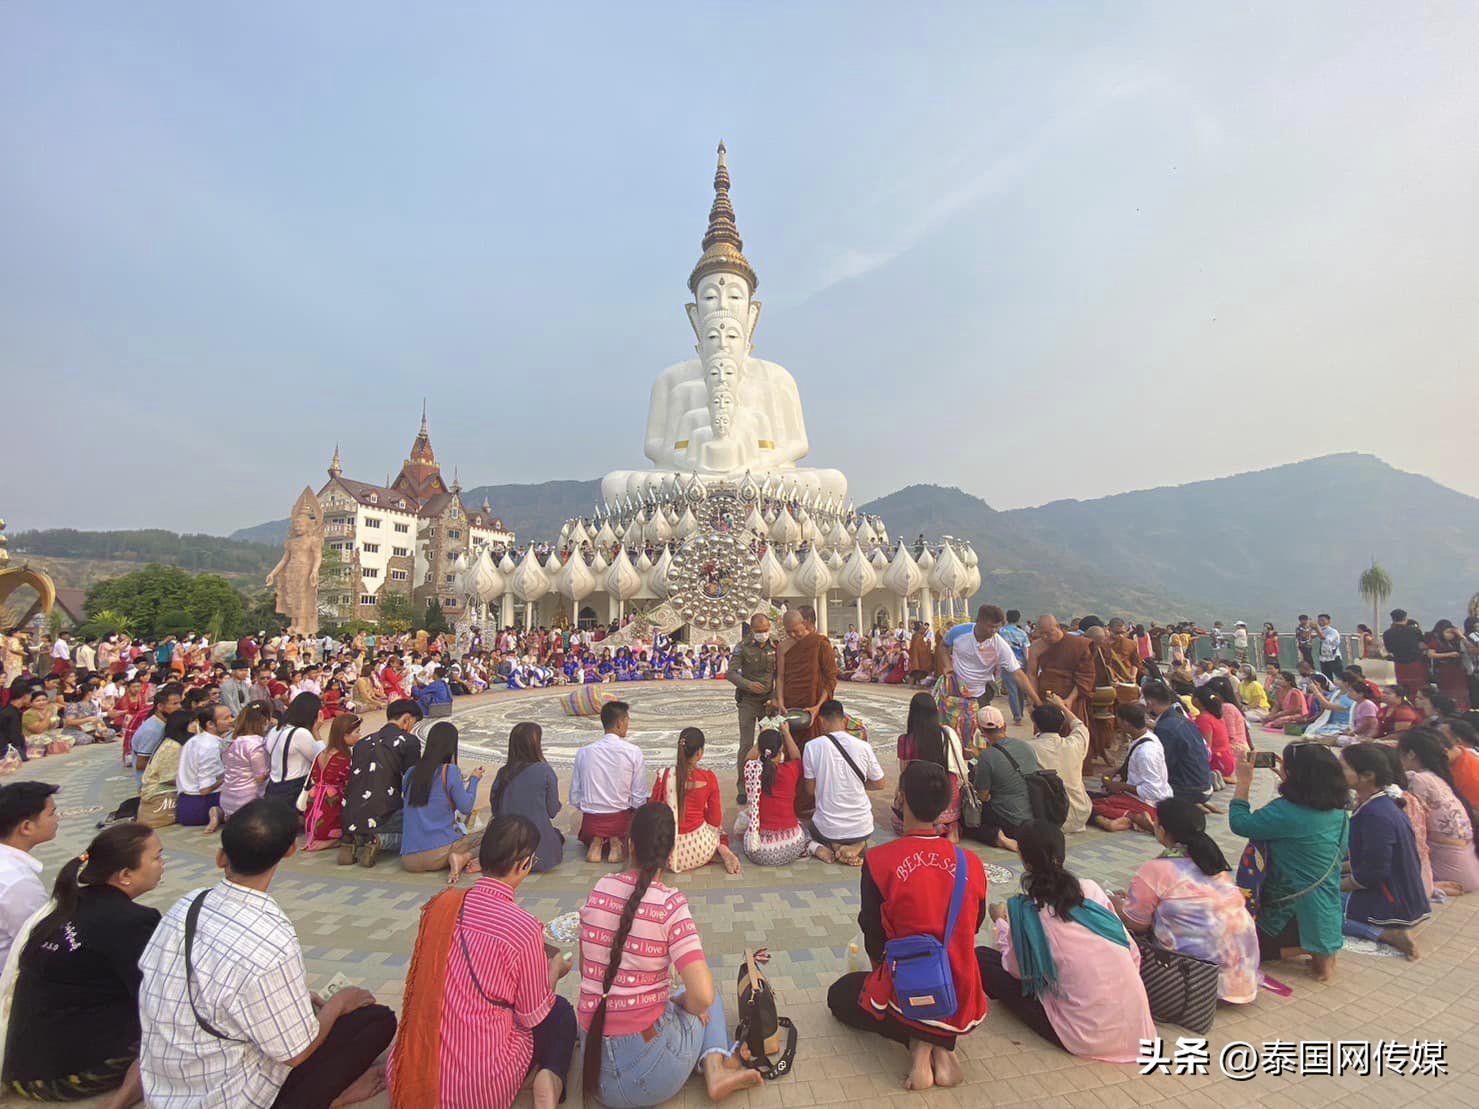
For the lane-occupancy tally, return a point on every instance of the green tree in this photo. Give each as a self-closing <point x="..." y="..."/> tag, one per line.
<point x="396" y="612"/>
<point x="106" y="622"/>
<point x="262" y="616"/>
<point x="211" y="599"/>
<point x="1375" y="587"/>
<point x="435" y="620"/>
<point x="142" y="596"/>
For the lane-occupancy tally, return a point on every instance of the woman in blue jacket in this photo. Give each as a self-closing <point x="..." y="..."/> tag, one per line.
<point x="1384" y="895"/>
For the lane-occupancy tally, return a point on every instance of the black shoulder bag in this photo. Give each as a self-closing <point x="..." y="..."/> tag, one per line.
<point x="841" y="750"/>
<point x="192" y="917"/>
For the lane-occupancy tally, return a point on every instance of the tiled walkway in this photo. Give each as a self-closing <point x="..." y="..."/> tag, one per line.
<point x="363" y="923"/>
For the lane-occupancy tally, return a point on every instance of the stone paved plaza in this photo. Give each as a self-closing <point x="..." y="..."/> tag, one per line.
<point x="363" y="923"/>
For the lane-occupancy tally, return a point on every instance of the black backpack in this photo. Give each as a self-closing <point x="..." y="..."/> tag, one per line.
<point x="1046" y="792"/>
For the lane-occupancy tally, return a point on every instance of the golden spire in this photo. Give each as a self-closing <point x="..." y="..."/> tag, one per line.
<point x="723" y="248"/>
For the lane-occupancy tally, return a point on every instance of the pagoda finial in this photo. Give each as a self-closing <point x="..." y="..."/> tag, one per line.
<point x="424" y="429"/>
<point x="335" y="466"/>
<point x="723" y="247"/>
<point x="456" y="481"/>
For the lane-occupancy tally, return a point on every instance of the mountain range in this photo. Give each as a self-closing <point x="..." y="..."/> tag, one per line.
<point x="1264" y="545"/>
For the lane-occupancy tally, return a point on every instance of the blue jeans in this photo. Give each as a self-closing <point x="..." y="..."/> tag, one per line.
<point x="1014" y="697"/>
<point x="637" y="1072"/>
<point x="1358" y="928"/>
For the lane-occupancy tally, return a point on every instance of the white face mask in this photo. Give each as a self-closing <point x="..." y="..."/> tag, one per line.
<point x="760" y="637"/>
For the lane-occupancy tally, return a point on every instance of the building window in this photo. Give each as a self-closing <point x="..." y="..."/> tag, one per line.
<point x="403" y="528"/>
<point x="367" y="598"/>
<point x="454" y="533"/>
<point x="373" y="498"/>
<point x="371" y="548"/>
<point x="372" y="521"/>
<point x="400" y="552"/>
<point x="370" y="573"/>
<point x="451" y="556"/>
<point x="346" y="598"/>
<point x="451" y="578"/>
<point x="399" y="575"/>
<point x="450" y="602"/>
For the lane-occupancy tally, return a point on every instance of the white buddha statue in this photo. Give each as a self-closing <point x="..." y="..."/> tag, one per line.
<point x="724" y="413"/>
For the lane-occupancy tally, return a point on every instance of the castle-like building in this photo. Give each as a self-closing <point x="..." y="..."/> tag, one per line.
<point x="403" y="537"/>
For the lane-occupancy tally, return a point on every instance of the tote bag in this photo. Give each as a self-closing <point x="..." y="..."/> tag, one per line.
<point x="1181" y="989"/>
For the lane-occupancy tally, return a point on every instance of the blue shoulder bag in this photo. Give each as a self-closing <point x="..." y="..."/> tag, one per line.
<point x="924" y="985"/>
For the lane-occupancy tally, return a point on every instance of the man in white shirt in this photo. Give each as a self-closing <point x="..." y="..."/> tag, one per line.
<point x="840" y="771"/>
<point x="201" y="769"/>
<point x="1141" y="782"/>
<point x="87" y="656"/>
<point x="1330" y="663"/>
<point x="608" y="784"/>
<point x="226" y="1014"/>
<point x="28" y="818"/>
<point x="61" y="654"/>
<point x="978" y="656"/>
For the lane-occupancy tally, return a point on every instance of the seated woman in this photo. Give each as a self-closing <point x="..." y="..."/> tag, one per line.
<point x="324" y="820"/>
<point x="245" y="761"/>
<point x="1209" y="722"/>
<point x="1233" y="718"/>
<point x="926" y="738"/>
<point x="1450" y="824"/>
<point x="1063" y="964"/>
<point x="436" y="795"/>
<point x="1384" y="892"/>
<point x="1187" y="900"/>
<point x="641" y="1043"/>
<point x="773" y="833"/>
<point x="368" y="696"/>
<point x="526" y="786"/>
<point x="1333" y="704"/>
<point x="1365" y="722"/>
<point x="434" y="695"/>
<point x="1253" y="695"/>
<point x="479" y="977"/>
<point x="693" y="795"/>
<point x="1141" y="783"/>
<point x="1460" y="739"/>
<point x="158" y="792"/>
<point x="906" y="889"/>
<point x="1293" y="707"/>
<point x="1396" y="713"/>
<point x="1305" y="829"/>
<point x="74" y="1017"/>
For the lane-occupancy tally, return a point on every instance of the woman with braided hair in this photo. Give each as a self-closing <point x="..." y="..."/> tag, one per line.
<point x="642" y="1043"/>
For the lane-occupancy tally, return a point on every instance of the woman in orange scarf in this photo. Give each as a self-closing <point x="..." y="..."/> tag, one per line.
<point x="480" y="1013"/>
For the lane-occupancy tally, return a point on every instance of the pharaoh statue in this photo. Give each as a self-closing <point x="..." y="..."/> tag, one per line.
<point x="724" y="413"/>
<point x="296" y="576"/>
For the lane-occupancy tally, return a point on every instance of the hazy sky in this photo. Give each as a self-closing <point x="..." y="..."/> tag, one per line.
<point x="1033" y="251"/>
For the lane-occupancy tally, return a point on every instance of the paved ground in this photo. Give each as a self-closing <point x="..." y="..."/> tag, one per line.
<point x="363" y="924"/>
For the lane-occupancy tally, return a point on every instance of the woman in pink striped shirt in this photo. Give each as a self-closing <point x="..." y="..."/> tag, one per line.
<point x="480" y="1013"/>
<point x="641" y="1043"/>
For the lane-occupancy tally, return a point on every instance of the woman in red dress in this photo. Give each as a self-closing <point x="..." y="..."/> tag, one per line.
<point x="1446" y="651"/>
<point x="926" y="738"/>
<point x="693" y="795"/>
<point x="327" y="779"/>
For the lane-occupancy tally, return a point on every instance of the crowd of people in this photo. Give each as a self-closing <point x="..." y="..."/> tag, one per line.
<point x="264" y="746"/>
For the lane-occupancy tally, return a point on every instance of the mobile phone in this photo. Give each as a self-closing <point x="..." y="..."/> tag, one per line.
<point x="337" y="983"/>
<point x="1265" y="759"/>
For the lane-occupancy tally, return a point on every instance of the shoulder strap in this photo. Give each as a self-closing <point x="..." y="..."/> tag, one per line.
<point x="1124" y="770"/>
<point x="1002" y="747"/>
<point x="192" y="917"/>
<point x="957" y="898"/>
<point x="841" y="750"/>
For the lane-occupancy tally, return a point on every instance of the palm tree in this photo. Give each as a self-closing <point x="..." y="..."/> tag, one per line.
<point x="1375" y="586"/>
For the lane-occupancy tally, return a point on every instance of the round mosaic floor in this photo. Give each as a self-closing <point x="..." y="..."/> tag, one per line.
<point x="659" y="711"/>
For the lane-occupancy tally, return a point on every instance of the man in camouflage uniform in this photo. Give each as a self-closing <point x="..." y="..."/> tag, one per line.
<point x="752" y="673"/>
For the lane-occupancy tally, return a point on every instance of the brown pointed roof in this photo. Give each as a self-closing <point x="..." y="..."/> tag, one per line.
<point x="724" y="250"/>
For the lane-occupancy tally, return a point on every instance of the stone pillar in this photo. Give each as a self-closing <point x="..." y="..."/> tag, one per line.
<point x="506" y="611"/>
<point x="821" y="603"/>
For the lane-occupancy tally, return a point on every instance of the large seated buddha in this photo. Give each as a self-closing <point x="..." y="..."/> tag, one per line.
<point x="724" y="414"/>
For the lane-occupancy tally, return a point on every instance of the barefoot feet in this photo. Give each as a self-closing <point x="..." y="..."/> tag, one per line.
<point x="921" y="1069"/>
<point x="725" y="1075"/>
<point x="946" y="1067"/>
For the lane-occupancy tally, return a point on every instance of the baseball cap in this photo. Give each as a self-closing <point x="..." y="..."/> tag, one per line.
<point x="990" y="718"/>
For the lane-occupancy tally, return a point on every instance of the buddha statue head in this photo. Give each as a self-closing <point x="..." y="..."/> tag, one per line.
<point x="723" y="282"/>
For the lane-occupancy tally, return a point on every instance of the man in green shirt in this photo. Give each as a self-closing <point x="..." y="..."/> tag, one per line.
<point x="752" y="673"/>
<point x="999" y="781"/>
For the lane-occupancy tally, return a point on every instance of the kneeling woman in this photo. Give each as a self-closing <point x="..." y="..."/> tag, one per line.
<point x="1384" y="893"/>
<point x="480" y="1011"/>
<point x="773" y="834"/>
<point x="74" y="1019"/>
<point x="436" y="795"/>
<point x="1063" y="964"/>
<point x="693" y="795"/>
<point x="641" y="1043"/>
